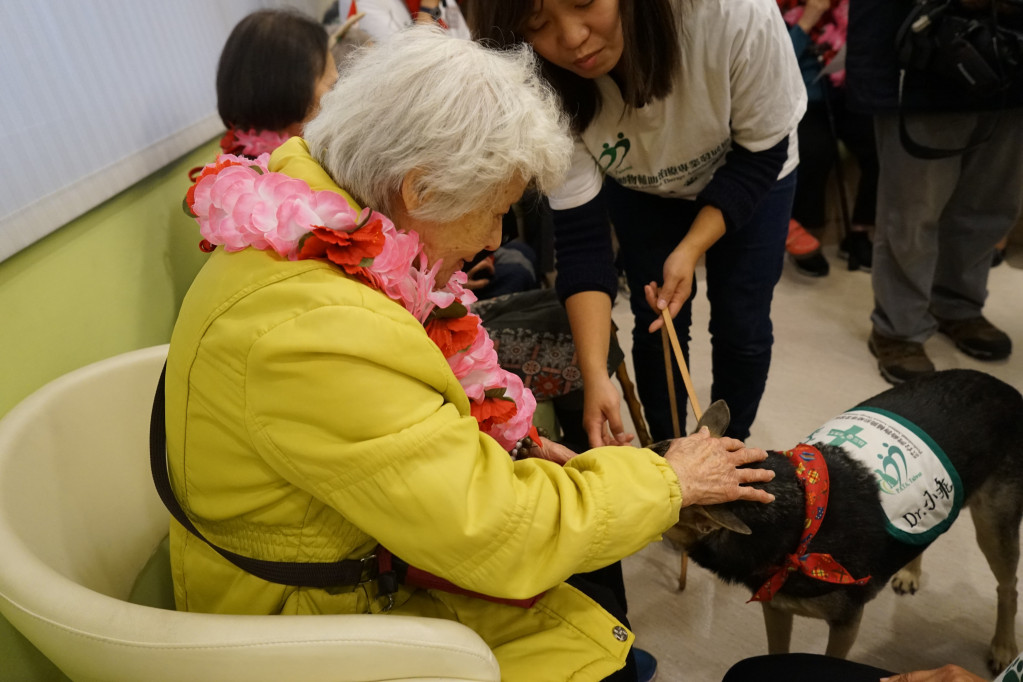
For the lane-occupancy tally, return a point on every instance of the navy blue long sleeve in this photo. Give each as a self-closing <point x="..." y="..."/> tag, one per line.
<point x="584" y="250"/>
<point x="739" y="185"/>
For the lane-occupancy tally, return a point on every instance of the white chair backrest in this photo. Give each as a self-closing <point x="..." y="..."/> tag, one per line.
<point x="75" y="485"/>
<point x="79" y="517"/>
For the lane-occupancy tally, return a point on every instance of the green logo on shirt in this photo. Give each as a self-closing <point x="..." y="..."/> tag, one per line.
<point x="614" y="156"/>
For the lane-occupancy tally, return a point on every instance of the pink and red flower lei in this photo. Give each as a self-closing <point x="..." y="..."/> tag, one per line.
<point x="251" y="142"/>
<point x="240" y="204"/>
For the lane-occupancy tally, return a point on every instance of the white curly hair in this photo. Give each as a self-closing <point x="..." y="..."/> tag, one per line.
<point x="465" y="118"/>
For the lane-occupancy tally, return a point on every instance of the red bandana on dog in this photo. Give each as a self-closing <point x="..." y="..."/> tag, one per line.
<point x="812" y="471"/>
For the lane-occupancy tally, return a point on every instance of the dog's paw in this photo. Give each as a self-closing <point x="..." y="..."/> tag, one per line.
<point x="1001" y="655"/>
<point x="906" y="582"/>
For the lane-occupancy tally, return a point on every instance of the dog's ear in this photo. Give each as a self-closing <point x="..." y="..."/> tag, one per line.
<point x="716" y="418"/>
<point x="725" y="519"/>
<point x="696" y="522"/>
<point x="703" y="520"/>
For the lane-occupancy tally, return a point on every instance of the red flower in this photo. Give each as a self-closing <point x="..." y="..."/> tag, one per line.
<point x="493" y="411"/>
<point x="347" y="249"/>
<point x="229" y="143"/>
<point x="453" y="334"/>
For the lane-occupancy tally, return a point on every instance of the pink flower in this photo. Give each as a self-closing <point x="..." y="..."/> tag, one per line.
<point x="414" y="290"/>
<point x="455" y="289"/>
<point x="334" y="212"/>
<point x="513" y="430"/>
<point x="256" y="142"/>
<point x="477" y="367"/>
<point x="281" y="213"/>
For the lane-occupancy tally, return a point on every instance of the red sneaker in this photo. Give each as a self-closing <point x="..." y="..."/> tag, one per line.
<point x="800" y="242"/>
<point x="805" y="251"/>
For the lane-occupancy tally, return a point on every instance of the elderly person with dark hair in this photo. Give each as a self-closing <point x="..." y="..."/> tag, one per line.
<point x="328" y="396"/>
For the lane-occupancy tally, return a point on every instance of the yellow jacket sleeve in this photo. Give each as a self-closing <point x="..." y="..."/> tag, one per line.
<point x="360" y="409"/>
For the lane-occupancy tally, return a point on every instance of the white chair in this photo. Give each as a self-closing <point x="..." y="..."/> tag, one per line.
<point x="79" y="518"/>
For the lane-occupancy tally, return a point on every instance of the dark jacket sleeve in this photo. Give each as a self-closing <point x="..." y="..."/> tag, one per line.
<point x="739" y="185"/>
<point x="585" y="254"/>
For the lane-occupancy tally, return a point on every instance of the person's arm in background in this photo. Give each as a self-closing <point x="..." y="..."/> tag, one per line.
<point x="728" y="202"/>
<point x="799" y="32"/>
<point x="587" y="282"/>
<point x="424" y="15"/>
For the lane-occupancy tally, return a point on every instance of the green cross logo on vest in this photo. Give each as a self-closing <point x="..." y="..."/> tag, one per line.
<point x="614" y="155"/>
<point x="918" y="488"/>
<point x="849" y="435"/>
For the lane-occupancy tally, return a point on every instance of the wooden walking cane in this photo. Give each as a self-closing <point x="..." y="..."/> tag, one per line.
<point x="668" y="333"/>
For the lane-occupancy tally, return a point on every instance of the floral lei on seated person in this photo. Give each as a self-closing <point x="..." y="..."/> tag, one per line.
<point x="239" y="204"/>
<point x="252" y="142"/>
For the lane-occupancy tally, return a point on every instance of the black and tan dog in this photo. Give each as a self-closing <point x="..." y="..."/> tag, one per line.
<point x="973" y="422"/>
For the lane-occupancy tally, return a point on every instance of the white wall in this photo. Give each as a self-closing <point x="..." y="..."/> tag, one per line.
<point x="97" y="94"/>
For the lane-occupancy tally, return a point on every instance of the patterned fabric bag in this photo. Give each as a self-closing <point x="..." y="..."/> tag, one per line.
<point x="533" y="339"/>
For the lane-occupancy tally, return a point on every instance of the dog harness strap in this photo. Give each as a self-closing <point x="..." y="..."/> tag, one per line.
<point x="812" y="472"/>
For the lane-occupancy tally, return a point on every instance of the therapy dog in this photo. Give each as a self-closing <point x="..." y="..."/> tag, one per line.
<point x="899" y="467"/>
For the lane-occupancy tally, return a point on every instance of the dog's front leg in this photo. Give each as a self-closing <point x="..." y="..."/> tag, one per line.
<point x="842" y="634"/>
<point x="779" y="628"/>
<point x="907" y="580"/>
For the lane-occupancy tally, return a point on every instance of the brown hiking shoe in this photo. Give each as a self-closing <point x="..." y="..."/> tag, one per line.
<point x="977" y="337"/>
<point x="899" y="360"/>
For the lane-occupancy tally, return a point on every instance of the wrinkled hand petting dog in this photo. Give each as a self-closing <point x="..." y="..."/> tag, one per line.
<point x="706" y="467"/>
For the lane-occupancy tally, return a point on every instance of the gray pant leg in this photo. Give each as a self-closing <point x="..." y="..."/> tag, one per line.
<point x="983" y="209"/>
<point x="937" y="219"/>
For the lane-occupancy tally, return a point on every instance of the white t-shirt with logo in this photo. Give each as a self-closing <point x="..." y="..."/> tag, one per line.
<point x="739" y="81"/>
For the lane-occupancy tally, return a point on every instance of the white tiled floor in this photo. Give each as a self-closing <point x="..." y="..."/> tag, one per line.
<point x="821" y="367"/>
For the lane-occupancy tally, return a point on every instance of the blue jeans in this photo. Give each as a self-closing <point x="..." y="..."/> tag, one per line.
<point x="742" y="270"/>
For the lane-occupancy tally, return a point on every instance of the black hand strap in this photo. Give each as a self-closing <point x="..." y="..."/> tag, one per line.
<point x="344" y="572"/>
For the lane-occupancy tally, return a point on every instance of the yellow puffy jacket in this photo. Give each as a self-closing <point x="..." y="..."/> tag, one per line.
<point x="309" y="418"/>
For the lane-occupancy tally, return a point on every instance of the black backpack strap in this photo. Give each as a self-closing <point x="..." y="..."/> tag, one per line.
<point x="915" y="52"/>
<point x="921" y="151"/>
<point x="344" y="572"/>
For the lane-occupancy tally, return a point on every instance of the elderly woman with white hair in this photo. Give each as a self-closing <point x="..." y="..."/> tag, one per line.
<point x="329" y="399"/>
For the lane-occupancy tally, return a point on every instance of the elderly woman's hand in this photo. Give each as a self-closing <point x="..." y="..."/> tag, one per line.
<point x="707" y="469"/>
<point x="551" y="451"/>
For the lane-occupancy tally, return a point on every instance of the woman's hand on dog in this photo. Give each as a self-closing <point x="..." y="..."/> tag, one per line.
<point x="948" y="673"/>
<point x="708" y="473"/>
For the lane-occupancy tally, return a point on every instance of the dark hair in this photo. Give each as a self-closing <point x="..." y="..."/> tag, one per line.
<point x="268" y="70"/>
<point x="649" y="63"/>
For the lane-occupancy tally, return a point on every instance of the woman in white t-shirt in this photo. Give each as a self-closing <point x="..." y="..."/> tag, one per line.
<point x="685" y="113"/>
